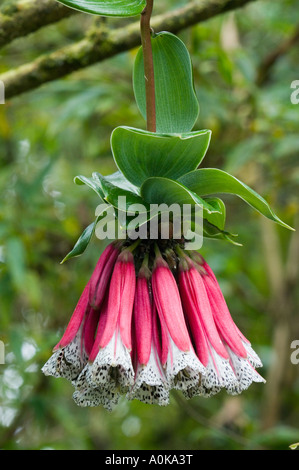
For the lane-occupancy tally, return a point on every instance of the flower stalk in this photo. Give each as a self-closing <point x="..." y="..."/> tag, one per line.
<point x="145" y="29"/>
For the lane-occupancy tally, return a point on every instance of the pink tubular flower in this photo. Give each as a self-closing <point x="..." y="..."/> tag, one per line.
<point x="101" y="276"/>
<point x="110" y="368"/>
<point x="243" y="358"/>
<point x="143" y="316"/>
<point x="209" y="347"/>
<point x="150" y="385"/>
<point x="182" y="368"/>
<point x="87" y="392"/>
<point x="71" y="353"/>
<point x="141" y="336"/>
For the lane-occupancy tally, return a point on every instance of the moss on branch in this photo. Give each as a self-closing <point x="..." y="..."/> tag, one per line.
<point x="23" y="17"/>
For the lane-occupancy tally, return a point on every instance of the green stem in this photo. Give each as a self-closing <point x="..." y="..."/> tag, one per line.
<point x="144" y="270"/>
<point x="180" y="252"/>
<point x="157" y="251"/>
<point x="133" y="247"/>
<point x="145" y="29"/>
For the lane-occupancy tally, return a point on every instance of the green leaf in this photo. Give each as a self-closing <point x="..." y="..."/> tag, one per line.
<point x="216" y="218"/>
<point x="214" y="181"/>
<point x="113" y="187"/>
<point x="141" y="154"/>
<point x="132" y="199"/>
<point x="103" y="184"/>
<point x="176" y="102"/>
<point x="92" y="183"/>
<point x="119" y="180"/>
<point x="212" y="231"/>
<point x="107" y="7"/>
<point x="84" y="240"/>
<point x="163" y="190"/>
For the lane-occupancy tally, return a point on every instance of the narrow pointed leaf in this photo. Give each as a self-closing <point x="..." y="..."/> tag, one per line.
<point x="141" y="154"/>
<point x="113" y="193"/>
<point x="83" y="241"/>
<point x="176" y="103"/>
<point x="216" y="218"/>
<point x="212" y="231"/>
<point x="107" y="7"/>
<point x="91" y="183"/>
<point x="214" y="181"/>
<point x="119" y="180"/>
<point x="109" y="188"/>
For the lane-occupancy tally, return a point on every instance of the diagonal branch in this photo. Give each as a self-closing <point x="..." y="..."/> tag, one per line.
<point x="27" y="16"/>
<point x="104" y="44"/>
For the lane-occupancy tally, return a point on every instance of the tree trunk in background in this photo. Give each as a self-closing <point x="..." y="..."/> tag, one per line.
<point x="283" y="307"/>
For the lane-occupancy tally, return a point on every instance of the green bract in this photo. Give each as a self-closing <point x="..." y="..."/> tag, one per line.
<point x="107" y="7"/>
<point x="161" y="168"/>
<point x="83" y="241"/>
<point x="176" y="103"/>
<point x="217" y="218"/>
<point x="142" y="154"/>
<point x="166" y="191"/>
<point x="214" y="181"/>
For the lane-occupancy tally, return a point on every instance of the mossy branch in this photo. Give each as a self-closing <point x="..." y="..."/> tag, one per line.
<point x="22" y="17"/>
<point x="105" y="43"/>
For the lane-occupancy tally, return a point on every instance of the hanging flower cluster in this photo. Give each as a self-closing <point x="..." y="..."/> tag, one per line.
<point x="149" y="320"/>
<point x="152" y="317"/>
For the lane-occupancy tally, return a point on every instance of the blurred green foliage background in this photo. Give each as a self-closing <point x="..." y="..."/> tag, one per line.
<point x="50" y="135"/>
